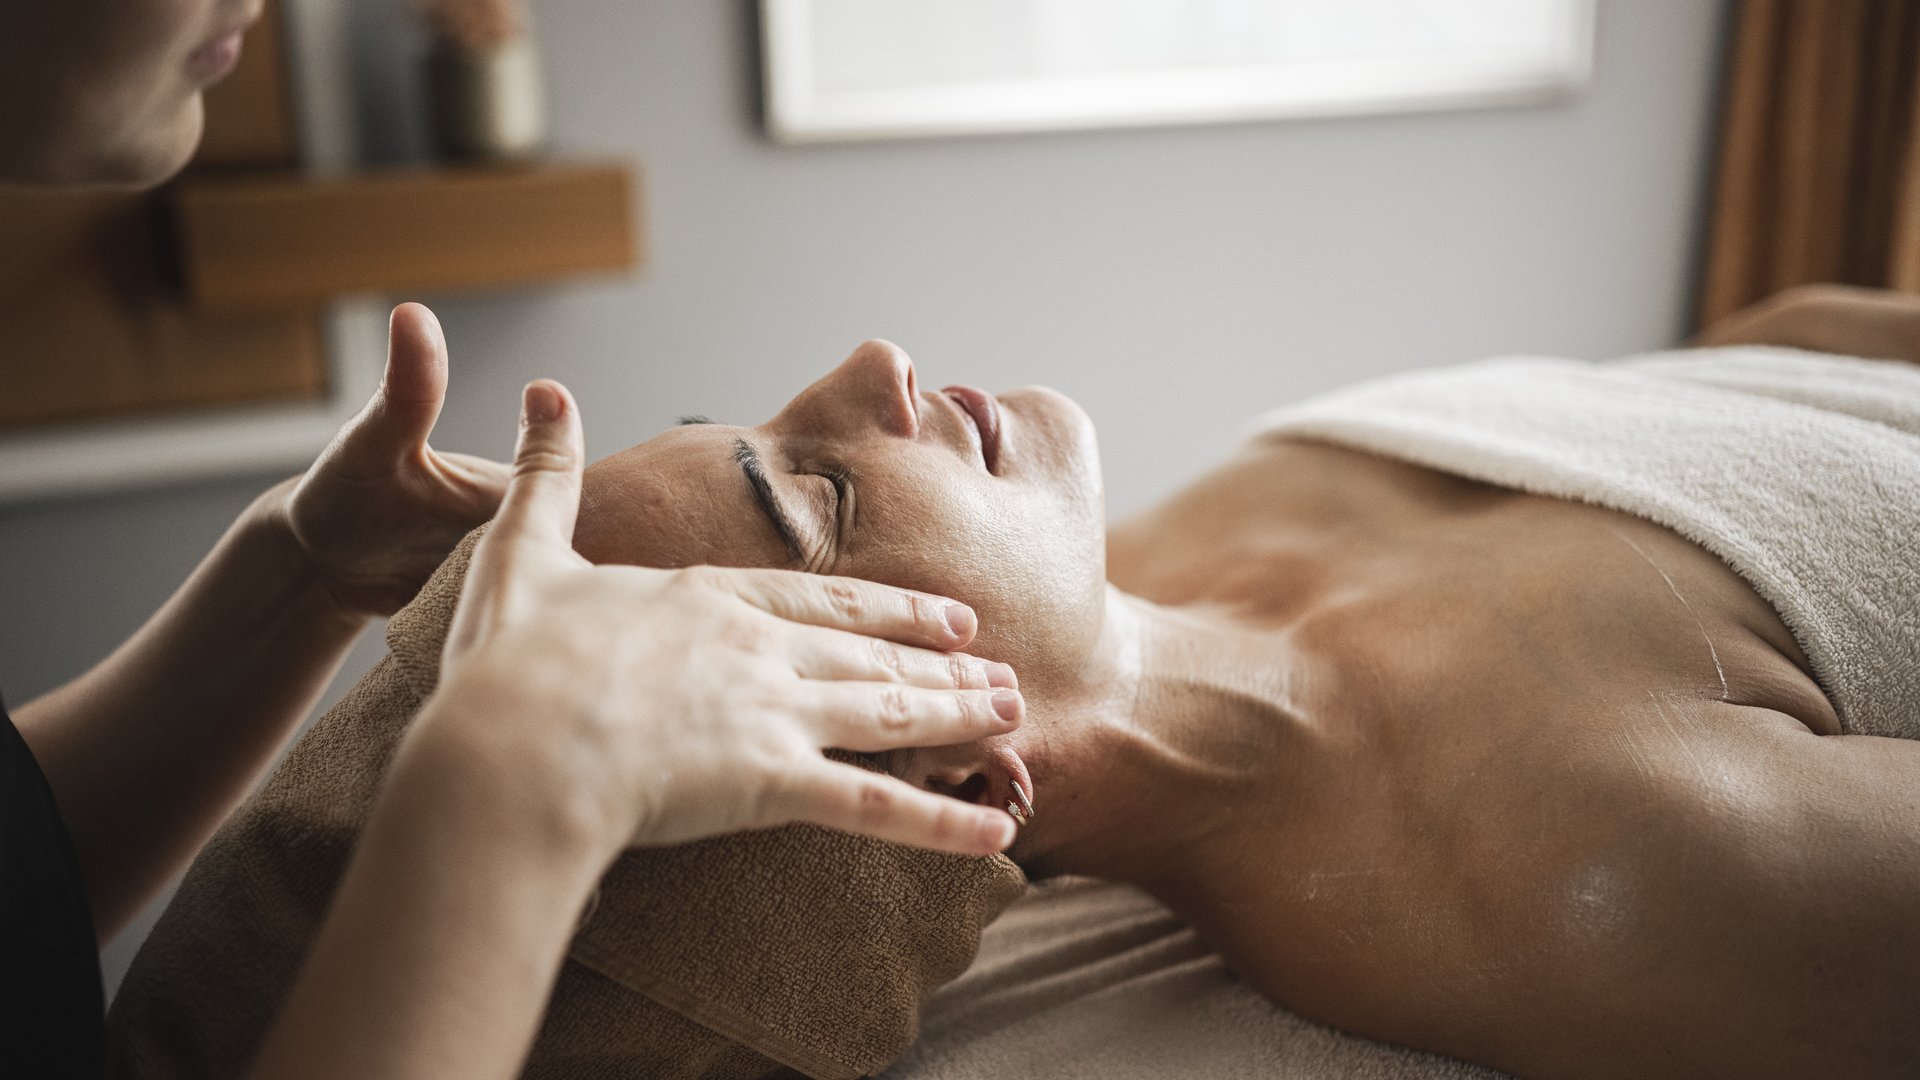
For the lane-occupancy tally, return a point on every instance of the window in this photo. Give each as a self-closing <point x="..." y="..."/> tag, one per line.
<point x="861" y="69"/>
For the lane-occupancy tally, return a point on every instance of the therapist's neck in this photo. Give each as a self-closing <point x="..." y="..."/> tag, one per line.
<point x="1178" y="718"/>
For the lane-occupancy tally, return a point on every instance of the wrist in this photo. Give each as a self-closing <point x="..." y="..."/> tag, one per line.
<point x="266" y="529"/>
<point x="454" y="763"/>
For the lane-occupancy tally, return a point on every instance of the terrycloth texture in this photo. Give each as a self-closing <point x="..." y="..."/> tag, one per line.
<point x="1801" y="471"/>
<point x="1083" y="980"/>
<point x="746" y="956"/>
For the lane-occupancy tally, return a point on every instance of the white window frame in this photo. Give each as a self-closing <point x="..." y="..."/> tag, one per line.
<point x="797" y="111"/>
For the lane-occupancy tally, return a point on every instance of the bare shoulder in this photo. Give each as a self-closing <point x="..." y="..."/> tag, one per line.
<point x="1841" y="319"/>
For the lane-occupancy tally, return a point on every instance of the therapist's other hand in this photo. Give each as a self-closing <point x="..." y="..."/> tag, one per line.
<point x="380" y="509"/>
<point x="639" y="706"/>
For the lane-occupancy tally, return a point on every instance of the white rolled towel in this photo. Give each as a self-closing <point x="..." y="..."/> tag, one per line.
<point x="1801" y="471"/>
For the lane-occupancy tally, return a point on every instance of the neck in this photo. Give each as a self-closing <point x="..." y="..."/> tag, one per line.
<point x="1181" y="720"/>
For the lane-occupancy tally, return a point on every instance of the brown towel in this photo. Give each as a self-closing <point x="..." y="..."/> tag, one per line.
<point x="796" y="948"/>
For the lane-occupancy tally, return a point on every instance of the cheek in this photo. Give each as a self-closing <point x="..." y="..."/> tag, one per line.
<point x="641" y="517"/>
<point x="1029" y="560"/>
<point x="129" y="94"/>
<point x="140" y="50"/>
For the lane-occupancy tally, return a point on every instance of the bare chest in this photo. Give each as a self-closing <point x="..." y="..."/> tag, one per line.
<point x="1470" y="654"/>
<point x="1442" y="607"/>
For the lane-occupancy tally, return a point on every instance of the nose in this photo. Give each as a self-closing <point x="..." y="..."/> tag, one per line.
<point x="872" y="387"/>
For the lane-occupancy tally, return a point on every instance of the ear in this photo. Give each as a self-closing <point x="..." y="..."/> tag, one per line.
<point x="986" y="773"/>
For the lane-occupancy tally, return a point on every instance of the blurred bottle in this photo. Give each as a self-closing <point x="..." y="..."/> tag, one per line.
<point x="483" y="80"/>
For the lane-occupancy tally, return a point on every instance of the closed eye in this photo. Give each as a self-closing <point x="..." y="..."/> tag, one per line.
<point x="841" y="517"/>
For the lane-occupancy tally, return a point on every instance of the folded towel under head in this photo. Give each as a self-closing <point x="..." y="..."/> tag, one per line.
<point x="798" y="949"/>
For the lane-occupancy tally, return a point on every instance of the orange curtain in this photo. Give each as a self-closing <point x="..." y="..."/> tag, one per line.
<point x="1819" y="176"/>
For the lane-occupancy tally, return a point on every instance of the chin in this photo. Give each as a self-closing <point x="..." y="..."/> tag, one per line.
<point x="163" y="149"/>
<point x="1073" y="449"/>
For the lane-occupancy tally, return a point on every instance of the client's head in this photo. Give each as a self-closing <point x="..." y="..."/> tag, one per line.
<point x="991" y="500"/>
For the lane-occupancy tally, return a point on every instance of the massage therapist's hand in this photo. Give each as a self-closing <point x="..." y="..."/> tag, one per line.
<point x="380" y="509"/>
<point x="649" y="706"/>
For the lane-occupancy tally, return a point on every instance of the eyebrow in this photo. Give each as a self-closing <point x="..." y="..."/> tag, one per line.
<point x="756" y="473"/>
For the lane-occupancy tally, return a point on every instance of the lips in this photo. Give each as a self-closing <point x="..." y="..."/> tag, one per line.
<point x="984" y="411"/>
<point x="215" y="58"/>
<point x="218" y="55"/>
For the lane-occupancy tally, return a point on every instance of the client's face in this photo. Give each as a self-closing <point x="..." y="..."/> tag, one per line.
<point x="994" y="501"/>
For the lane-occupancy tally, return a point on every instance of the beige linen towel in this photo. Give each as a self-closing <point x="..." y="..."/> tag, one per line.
<point x="797" y="948"/>
<point x="1086" y="980"/>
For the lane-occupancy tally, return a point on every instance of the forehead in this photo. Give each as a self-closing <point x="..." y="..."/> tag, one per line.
<point x="678" y="499"/>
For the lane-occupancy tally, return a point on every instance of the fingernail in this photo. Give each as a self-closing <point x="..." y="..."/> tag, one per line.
<point x="999" y="674"/>
<point x="1006" y="704"/>
<point x="960" y="620"/>
<point x="540" y="403"/>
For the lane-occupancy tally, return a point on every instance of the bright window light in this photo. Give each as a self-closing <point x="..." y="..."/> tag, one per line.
<point x="850" y="69"/>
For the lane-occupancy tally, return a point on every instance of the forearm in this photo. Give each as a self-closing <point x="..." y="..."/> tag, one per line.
<point x="441" y="948"/>
<point x="152" y="748"/>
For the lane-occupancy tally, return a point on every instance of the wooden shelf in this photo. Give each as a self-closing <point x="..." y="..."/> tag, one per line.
<point x="281" y="242"/>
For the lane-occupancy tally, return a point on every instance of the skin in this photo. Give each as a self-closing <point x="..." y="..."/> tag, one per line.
<point x="1531" y="783"/>
<point x="107" y="91"/>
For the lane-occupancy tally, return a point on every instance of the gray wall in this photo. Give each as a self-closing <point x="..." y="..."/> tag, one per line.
<point x="1172" y="280"/>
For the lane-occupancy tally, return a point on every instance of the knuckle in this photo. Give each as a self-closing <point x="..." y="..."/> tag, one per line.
<point x="895" y="711"/>
<point x="536" y="460"/>
<point x="965" y="673"/>
<point x="874" y="802"/>
<point x="927" y="616"/>
<point x="755" y="636"/>
<point x="975" y="708"/>
<point x="845" y="600"/>
<point x="887" y="658"/>
<point x="941" y="824"/>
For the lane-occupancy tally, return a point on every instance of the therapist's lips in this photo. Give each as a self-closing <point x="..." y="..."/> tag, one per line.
<point x="218" y="55"/>
<point x="984" y="411"/>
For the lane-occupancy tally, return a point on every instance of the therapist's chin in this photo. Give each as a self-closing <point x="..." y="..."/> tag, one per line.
<point x="147" y="156"/>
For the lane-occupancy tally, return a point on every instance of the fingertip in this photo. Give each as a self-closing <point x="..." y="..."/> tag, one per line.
<point x="542" y="402"/>
<point x="1008" y="706"/>
<point x="413" y="317"/>
<point x="997" y="832"/>
<point x="961" y="622"/>
<point x="416" y="357"/>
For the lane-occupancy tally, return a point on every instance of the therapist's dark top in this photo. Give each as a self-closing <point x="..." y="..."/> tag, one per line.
<point x="52" y="1005"/>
